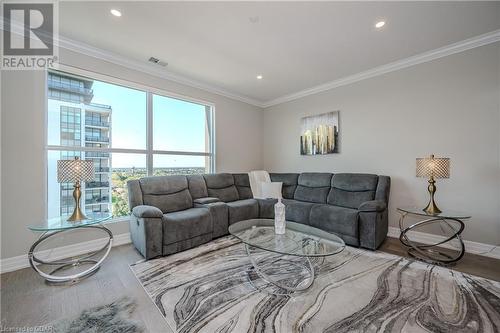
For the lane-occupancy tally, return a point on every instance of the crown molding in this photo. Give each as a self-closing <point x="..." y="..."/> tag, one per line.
<point x="467" y="44"/>
<point x="153" y="70"/>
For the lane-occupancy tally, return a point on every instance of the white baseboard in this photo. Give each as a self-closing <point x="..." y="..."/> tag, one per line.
<point x="487" y="250"/>
<point x="19" y="262"/>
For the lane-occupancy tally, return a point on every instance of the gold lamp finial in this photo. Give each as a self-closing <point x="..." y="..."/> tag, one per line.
<point x="433" y="167"/>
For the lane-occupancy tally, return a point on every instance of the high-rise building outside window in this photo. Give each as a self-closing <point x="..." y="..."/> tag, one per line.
<point x="128" y="131"/>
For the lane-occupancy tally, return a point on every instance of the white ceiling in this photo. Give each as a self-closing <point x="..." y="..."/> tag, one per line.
<point x="294" y="45"/>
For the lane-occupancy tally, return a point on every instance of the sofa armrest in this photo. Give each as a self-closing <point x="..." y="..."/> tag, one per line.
<point x="372" y="206"/>
<point x="207" y="200"/>
<point x="144" y="211"/>
<point x="220" y="216"/>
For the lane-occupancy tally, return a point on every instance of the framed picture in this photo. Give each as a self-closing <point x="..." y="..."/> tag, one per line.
<point x="319" y="134"/>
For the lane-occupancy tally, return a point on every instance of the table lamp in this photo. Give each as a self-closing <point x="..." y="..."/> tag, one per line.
<point x="273" y="190"/>
<point x="433" y="167"/>
<point x="75" y="171"/>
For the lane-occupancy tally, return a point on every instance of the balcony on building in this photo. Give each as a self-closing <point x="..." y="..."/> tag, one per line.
<point x="97" y="200"/>
<point x="67" y="186"/>
<point x="97" y="154"/>
<point x="96" y="107"/>
<point x="98" y="124"/>
<point x="100" y="209"/>
<point x="96" y="184"/>
<point x="85" y="90"/>
<point x="99" y="139"/>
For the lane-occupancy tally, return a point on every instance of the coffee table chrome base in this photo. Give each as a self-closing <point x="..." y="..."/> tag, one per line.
<point x="430" y="253"/>
<point x="283" y="289"/>
<point x="86" y="259"/>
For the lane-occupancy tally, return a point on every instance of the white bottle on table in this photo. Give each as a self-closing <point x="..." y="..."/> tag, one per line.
<point x="279" y="218"/>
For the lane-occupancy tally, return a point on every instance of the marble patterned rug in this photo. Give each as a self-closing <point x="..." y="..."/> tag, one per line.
<point x="208" y="289"/>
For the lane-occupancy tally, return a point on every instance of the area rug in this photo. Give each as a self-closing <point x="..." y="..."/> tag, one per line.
<point x="208" y="289"/>
<point x="109" y="318"/>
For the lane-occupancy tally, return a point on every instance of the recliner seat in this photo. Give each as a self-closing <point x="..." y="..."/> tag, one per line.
<point x="175" y="213"/>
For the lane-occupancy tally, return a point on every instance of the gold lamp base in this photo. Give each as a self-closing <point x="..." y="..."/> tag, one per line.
<point x="77" y="213"/>
<point x="432" y="208"/>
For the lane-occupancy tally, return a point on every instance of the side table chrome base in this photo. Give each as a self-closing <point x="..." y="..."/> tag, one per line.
<point x="279" y="288"/>
<point x="54" y="277"/>
<point x="430" y="253"/>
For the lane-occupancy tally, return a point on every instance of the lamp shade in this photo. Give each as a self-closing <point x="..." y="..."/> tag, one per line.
<point x="436" y="167"/>
<point x="271" y="190"/>
<point x="75" y="170"/>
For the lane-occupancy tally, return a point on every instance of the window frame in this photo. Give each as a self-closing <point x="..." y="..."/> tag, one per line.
<point x="148" y="151"/>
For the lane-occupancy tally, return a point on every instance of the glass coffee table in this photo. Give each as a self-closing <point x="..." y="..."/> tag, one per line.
<point x="74" y="269"/>
<point x="300" y="242"/>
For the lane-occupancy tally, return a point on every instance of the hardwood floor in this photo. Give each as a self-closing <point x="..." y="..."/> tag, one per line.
<point x="27" y="301"/>
<point x="470" y="263"/>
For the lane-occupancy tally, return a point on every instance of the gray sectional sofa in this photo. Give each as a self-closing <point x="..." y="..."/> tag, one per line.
<point x="175" y="213"/>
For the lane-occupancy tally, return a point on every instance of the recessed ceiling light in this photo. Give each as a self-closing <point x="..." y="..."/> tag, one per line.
<point x="379" y="24"/>
<point x="116" y="12"/>
<point x="259" y="77"/>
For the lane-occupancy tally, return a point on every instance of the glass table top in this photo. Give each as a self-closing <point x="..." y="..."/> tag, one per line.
<point x="298" y="240"/>
<point x="444" y="214"/>
<point x="61" y="223"/>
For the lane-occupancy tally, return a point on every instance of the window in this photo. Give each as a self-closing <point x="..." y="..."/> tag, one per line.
<point x="70" y="126"/>
<point x="127" y="131"/>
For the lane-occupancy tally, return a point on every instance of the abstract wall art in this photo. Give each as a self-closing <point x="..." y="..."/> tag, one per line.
<point x="319" y="134"/>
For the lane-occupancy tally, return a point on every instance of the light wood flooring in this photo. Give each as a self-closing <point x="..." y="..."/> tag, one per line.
<point x="27" y="301"/>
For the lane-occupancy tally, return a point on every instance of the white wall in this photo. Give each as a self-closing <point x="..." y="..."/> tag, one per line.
<point x="450" y="107"/>
<point x="238" y="144"/>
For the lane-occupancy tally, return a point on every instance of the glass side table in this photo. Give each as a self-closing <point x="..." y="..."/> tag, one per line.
<point x="57" y="227"/>
<point x="451" y="225"/>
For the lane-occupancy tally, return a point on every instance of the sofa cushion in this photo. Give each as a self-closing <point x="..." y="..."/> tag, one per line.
<point x="266" y="208"/>
<point x="197" y="186"/>
<point x="221" y="186"/>
<point x="168" y="193"/>
<point x="240" y="210"/>
<point x="242" y="183"/>
<point x="313" y="187"/>
<point x="186" y="224"/>
<point x="227" y="194"/>
<point x="289" y="181"/>
<point x="219" y="180"/>
<point x="339" y="220"/>
<point x="297" y="211"/>
<point x="352" y="189"/>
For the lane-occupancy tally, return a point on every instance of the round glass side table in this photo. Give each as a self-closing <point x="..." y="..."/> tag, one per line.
<point x="451" y="225"/>
<point x="58" y="226"/>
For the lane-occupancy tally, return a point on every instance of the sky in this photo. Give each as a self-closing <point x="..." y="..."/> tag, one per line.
<point x="177" y="125"/>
